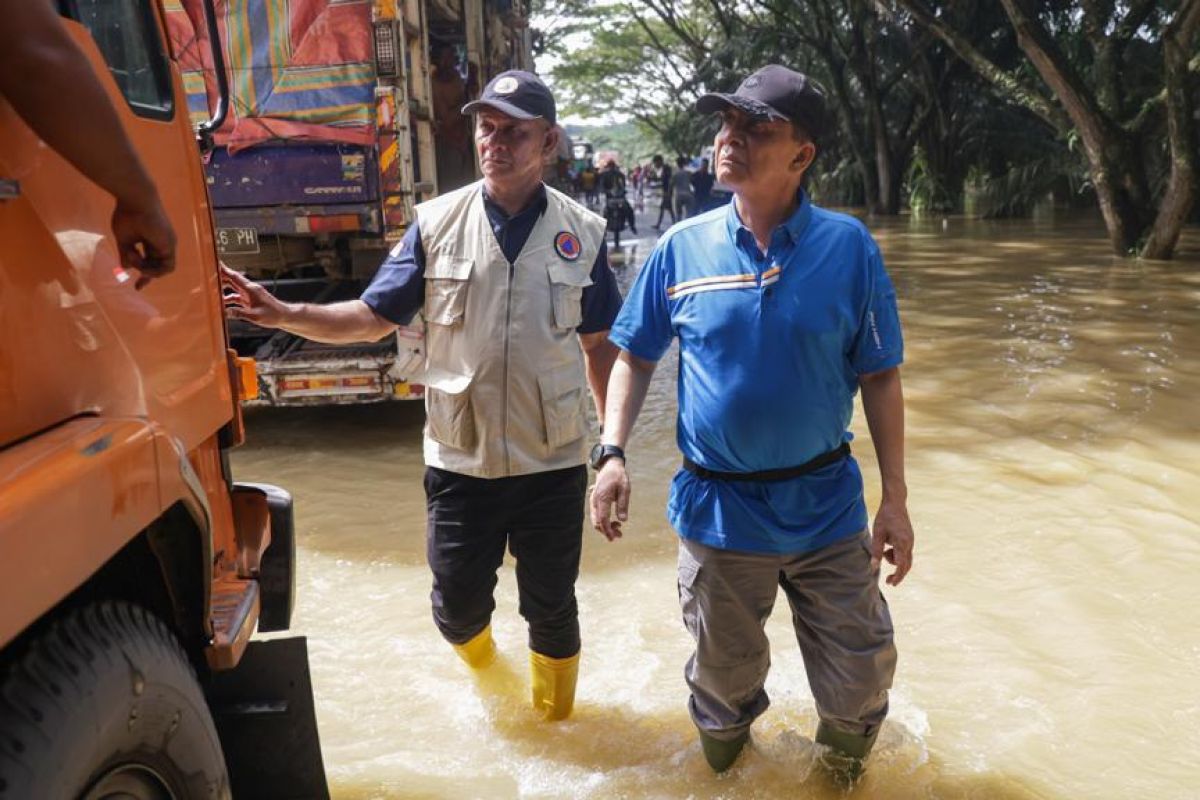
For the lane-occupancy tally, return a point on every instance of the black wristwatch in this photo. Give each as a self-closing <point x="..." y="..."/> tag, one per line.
<point x="603" y="452"/>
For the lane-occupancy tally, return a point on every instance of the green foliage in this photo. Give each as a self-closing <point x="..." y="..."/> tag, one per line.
<point x="926" y="192"/>
<point x="922" y="93"/>
<point x="617" y="61"/>
<point x="1017" y="190"/>
<point x="633" y="140"/>
<point x="836" y="183"/>
<point x="650" y="61"/>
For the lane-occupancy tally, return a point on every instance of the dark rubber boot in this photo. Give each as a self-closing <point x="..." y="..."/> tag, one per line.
<point x="721" y="753"/>
<point x="848" y="752"/>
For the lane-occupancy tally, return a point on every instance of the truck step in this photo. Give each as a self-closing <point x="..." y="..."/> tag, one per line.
<point x="234" y="610"/>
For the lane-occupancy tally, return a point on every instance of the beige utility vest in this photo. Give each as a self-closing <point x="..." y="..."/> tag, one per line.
<point x="506" y="393"/>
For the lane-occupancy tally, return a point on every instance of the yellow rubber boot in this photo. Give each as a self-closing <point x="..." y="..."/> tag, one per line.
<point x="553" y="684"/>
<point x="479" y="651"/>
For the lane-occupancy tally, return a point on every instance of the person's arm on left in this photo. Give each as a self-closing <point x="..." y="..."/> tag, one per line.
<point x="599" y="355"/>
<point x="34" y="42"/>
<point x="892" y="533"/>
<point x="601" y="301"/>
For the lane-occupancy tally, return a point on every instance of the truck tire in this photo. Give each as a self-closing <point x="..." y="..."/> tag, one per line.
<point x="103" y="703"/>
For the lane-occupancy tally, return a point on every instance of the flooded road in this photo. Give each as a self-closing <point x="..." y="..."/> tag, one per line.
<point x="1046" y="637"/>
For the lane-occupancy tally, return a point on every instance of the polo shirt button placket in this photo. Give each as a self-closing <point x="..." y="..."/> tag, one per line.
<point x="769" y="290"/>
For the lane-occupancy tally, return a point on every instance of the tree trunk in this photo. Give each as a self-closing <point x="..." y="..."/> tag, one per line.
<point x="869" y="184"/>
<point x="860" y="151"/>
<point x="1177" y="202"/>
<point x="1114" y="161"/>
<point x="1120" y="220"/>
<point x="1124" y="202"/>
<point x="862" y="60"/>
<point x="887" y="201"/>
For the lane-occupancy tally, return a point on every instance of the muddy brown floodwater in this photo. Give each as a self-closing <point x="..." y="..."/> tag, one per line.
<point x="1048" y="647"/>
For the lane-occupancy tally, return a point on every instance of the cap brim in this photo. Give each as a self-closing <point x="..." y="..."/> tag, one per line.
<point x="476" y="106"/>
<point x="715" y="101"/>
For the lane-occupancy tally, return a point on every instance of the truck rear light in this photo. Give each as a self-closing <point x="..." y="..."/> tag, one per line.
<point x="328" y="223"/>
<point x="406" y="389"/>
<point x="247" y="372"/>
<point x="361" y="383"/>
<point x="306" y="384"/>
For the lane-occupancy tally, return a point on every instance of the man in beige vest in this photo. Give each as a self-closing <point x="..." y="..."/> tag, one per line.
<point x="512" y="278"/>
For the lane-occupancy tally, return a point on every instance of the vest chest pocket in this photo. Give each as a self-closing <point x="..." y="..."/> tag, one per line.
<point x="448" y="415"/>
<point x="567" y="281"/>
<point x="562" y="404"/>
<point x="446" y="282"/>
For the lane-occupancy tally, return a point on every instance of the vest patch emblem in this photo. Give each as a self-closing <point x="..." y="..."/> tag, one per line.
<point x="567" y="245"/>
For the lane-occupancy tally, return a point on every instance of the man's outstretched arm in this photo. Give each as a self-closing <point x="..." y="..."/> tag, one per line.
<point x="334" y="323"/>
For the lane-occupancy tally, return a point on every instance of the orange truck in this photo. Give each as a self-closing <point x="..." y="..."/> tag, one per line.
<point x="133" y="568"/>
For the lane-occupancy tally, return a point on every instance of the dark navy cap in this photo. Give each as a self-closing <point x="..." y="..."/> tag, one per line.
<point x="517" y="93"/>
<point x="774" y="92"/>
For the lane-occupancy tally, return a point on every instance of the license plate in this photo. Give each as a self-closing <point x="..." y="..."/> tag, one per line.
<point x="237" y="240"/>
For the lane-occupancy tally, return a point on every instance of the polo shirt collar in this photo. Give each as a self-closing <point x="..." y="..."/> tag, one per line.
<point x="793" y="227"/>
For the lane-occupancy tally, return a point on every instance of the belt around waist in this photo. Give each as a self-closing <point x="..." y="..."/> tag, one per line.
<point x="812" y="465"/>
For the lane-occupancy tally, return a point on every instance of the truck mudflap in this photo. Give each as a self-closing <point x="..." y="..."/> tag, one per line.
<point x="265" y="718"/>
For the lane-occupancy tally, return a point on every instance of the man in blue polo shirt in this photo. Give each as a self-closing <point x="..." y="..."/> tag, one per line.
<point x="513" y="281"/>
<point x="783" y="311"/>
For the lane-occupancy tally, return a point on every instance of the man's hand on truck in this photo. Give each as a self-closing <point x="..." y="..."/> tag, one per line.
<point x="332" y="323"/>
<point x="247" y="300"/>
<point x="145" y="238"/>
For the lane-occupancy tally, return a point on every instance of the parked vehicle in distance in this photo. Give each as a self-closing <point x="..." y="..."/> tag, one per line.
<point x="330" y="145"/>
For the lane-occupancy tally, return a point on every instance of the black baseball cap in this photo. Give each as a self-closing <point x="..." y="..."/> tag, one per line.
<point x="517" y="93"/>
<point x="774" y="92"/>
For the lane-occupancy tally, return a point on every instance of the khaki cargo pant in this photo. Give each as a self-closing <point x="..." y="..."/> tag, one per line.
<point x="840" y="617"/>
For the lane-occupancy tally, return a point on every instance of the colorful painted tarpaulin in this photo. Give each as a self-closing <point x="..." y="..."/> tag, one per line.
<point x="298" y="69"/>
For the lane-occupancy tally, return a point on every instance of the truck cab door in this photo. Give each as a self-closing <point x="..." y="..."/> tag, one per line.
<point x="79" y="338"/>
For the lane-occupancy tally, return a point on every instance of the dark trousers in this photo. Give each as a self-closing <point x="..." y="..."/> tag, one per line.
<point x="666" y="207"/>
<point x="539" y="517"/>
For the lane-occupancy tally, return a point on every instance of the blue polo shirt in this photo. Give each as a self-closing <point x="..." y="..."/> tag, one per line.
<point x="770" y="350"/>
<point x="397" y="291"/>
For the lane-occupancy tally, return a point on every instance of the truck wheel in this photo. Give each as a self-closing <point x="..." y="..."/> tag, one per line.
<point x="104" y="704"/>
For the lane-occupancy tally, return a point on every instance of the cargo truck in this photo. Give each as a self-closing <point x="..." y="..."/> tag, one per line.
<point x="135" y="569"/>
<point x="329" y="145"/>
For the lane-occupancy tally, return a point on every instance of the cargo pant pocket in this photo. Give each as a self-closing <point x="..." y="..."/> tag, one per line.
<point x="687" y="573"/>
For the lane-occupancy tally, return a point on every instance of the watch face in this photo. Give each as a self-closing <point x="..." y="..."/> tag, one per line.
<point x="594" y="456"/>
